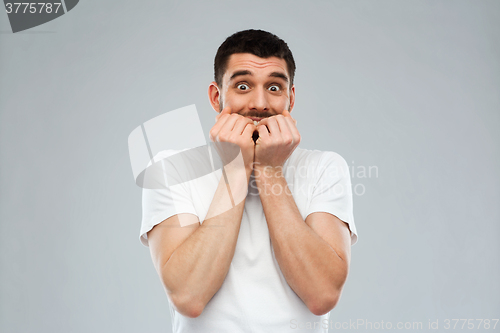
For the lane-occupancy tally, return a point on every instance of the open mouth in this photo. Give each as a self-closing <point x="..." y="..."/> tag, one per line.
<point x="255" y="120"/>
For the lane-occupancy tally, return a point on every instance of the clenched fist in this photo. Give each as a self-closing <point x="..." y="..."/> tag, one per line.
<point x="235" y="129"/>
<point x="278" y="138"/>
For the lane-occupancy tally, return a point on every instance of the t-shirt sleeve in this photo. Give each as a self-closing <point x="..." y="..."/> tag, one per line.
<point x="159" y="204"/>
<point x="332" y="192"/>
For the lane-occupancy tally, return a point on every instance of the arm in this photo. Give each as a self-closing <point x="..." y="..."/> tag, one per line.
<point x="314" y="255"/>
<point x="193" y="261"/>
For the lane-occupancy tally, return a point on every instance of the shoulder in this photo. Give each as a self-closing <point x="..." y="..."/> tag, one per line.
<point x="316" y="158"/>
<point x="316" y="165"/>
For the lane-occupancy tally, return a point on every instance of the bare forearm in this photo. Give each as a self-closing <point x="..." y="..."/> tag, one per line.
<point x="310" y="265"/>
<point x="197" y="268"/>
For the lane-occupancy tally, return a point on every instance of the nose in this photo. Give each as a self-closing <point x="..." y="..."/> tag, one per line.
<point x="258" y="101"/>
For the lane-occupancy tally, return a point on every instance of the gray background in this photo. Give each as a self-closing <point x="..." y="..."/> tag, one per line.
<point x="411" y="87"/>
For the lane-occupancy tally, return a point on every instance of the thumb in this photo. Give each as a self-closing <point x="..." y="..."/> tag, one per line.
<point x="286" y="113"/>
<point x="226" y="110"/>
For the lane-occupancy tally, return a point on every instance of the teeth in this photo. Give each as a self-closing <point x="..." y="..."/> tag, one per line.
<point x="255" y="122"/>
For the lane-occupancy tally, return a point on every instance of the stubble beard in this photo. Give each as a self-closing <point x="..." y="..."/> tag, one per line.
<point x="221" y="106"/>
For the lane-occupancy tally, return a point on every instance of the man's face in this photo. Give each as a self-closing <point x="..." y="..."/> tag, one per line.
<point x="254" y="87"/>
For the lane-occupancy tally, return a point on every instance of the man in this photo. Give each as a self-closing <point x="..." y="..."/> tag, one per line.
<point x="276" y="261"/>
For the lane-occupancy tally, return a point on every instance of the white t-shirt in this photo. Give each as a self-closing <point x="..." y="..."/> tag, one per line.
<point x="255" y="297"/>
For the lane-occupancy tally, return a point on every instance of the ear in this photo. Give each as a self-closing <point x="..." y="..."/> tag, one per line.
<point x="214" y="96"/>
<point x="292" y="98"/>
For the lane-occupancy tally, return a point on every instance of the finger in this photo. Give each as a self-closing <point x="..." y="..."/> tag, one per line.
<point x="228" y="125"/>
<point x="292" y="123"/>
<point x="215" y="130"/>
<point x="272" y="124"/>
<point x="263" y="132"/>
<point x="226" y="110"/>
<point x="218" y="115"/>
<point x="221" y="119"/>
<point x="287" y="115"/>
<point x="248" y="130"/>
<point x="283" y="123"/>
<point x="241" y="125"/>
<point x="284" y="127"/>
<point x="265" y="122"/>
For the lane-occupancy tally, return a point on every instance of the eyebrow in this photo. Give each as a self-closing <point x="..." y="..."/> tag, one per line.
<point x="246" y="72"/>
<point x="279" y="75"/>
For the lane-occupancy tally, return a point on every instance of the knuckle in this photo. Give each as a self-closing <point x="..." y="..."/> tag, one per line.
<point x="223" y="137"/>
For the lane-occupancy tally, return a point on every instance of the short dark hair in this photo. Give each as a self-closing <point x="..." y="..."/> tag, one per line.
<point x="257" y="42"/>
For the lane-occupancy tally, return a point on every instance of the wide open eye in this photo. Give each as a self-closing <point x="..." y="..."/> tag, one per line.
<point x="242" y="86"/>
<point x="274" y="88"/>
